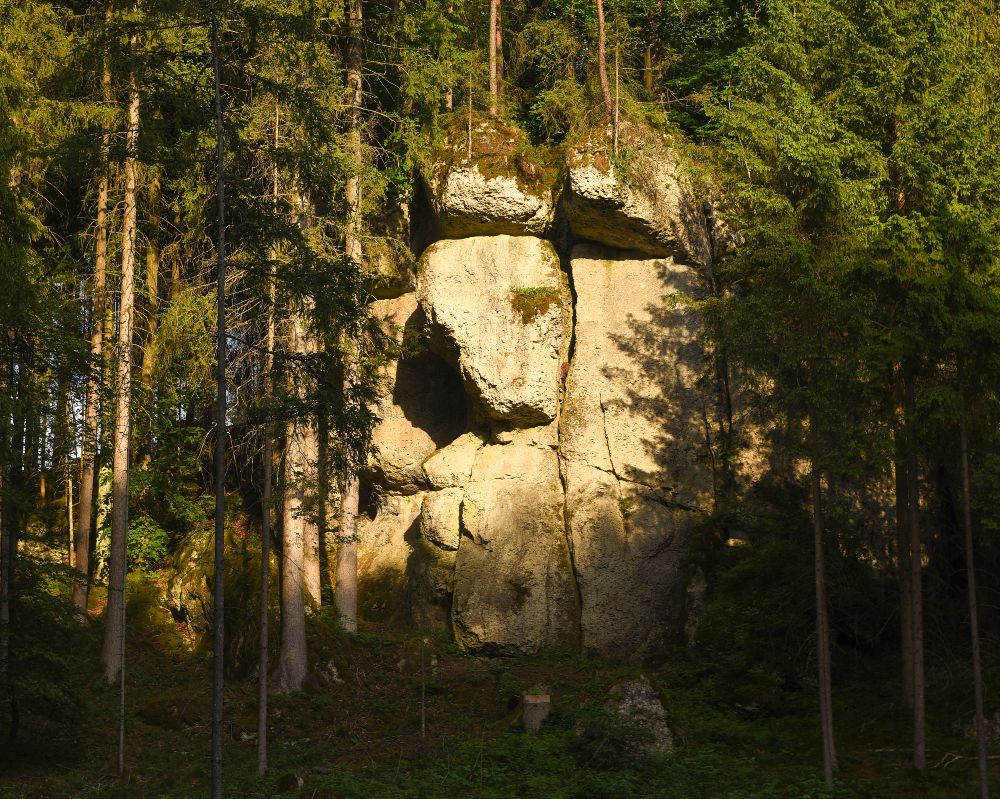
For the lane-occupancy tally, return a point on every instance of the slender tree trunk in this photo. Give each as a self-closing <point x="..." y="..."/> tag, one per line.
<point x="491" y="38"/>
<point x="916" y="579"/>
<point x="310" y="525"/>
<point x="114" y="631"/>
<point x="219" y="592"/>
<point x="6" y="569"/>
<point x="647" y="69"/>
<point x="823" y="636"/>
<point x="614" y="119"/>
<point x="903" y="570"/>
<point x="346" y="589"/>
<point x="69" y="520"/>
<point x="11" y="526"/>
<point x="293" y="657"/>
<point x="468" y="124"/>
<point x="449" y="93"/>
<point x="602" y="66"/>
<point x="265" y="501"/>
<point x="970" y="571"/>
<point x="152" y="311"/>
<point x="499" y="50"/>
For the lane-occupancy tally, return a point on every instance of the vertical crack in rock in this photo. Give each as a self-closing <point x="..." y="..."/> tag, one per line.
<point x="565" y="261"/>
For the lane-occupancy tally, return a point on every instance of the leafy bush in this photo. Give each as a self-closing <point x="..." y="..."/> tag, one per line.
<point x="147" y="543"/>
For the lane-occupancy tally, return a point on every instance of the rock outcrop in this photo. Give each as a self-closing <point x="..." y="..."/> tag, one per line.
<point x="644" y="203"/>
<point x="492" y="185"/>
<point x="542" y="452"/>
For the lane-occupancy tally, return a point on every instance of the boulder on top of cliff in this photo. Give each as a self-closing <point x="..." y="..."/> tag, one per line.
<point x="514" y="590"/>
<point x="503" y="188"/>
<point x="638" y="200"/>
<point x="503" y="308"/>
<point x="422" y="408"/>
<point x="633" y="445"/>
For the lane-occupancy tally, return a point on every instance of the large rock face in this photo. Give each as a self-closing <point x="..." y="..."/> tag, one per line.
<point x="514" y="590"/>
<point x="503" y="304"/>
<point x="542" y="454"/>
<point x="633" y="446"/>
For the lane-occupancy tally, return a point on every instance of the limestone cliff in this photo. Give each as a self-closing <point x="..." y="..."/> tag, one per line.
<point x="543" y="453"/>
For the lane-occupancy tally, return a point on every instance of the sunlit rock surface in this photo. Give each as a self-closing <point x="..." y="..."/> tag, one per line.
<point x="502" y="304"/>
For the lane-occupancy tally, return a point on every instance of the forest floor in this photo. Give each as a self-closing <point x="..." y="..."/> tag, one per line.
<point x="356" y="730"/>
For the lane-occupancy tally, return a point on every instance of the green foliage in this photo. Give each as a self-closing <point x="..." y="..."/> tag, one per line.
<point x="47" y="642"/>
<point x="147" y="543"/>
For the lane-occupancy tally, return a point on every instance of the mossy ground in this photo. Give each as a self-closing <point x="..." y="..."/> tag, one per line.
<point x="355" y="731"/>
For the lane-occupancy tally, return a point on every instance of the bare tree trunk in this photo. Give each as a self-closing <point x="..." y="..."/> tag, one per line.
<point x="499" y="50"/>
<point x="970" y="570"/>
<point x="916" y="579"/>
<point x="491" y="38"/>
<point x="293" y="659"/>
<point x="10" y="525"/>
<point x="310" y="524"/>
<point x="346" y="589"/>
<point x="903" y="571"/>
<point x="265" y="501"/>
<point x="602" y="66"/>
<point x="69" y="520"/>
<point x="449" y="93"/>
<point x="614" y="119"/>
<point x="114" y="632"/>
<point x="152" y="310"/>
<point x="219" y="592"/>
<point x="647" y="69"/>
<point x="347" y="555"/>
<point x="823" y="636"/>
<point x="6" y="571"/>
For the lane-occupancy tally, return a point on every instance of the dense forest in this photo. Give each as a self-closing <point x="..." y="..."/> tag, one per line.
<point x="505" y="398"/>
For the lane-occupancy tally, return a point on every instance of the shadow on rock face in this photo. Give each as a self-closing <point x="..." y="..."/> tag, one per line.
<point x="430" y="393"/>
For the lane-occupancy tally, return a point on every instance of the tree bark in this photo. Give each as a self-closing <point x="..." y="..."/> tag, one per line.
<point x="647" y="69"/>
<point x="970" y="571"/>
<point x="346" y="589"/>
<point x="823" y="666"/>
<point x="916" y="578"/>
<point x="114" y="632"/>
<point x="602" y="66"/>
<point x="347" y="554"/>
<point x="903" y="571"/>
<point x="310" y="524"/>
<point x="219" y="591"/>
<point x="265" y="502"/>
<point x="293" y="658"/>
<point x="152" y="311"/>
<point x="498" y="28"/>
<point x="492" y="47"/>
